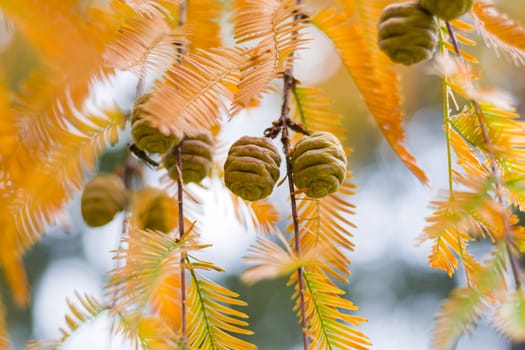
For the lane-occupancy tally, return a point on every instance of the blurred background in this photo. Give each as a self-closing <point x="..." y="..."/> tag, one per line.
<point x="390" y="282"/>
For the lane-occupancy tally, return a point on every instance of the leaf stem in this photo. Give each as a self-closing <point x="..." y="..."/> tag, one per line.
<point x="493" y="169"/>
<point x="317" y="307"/>
<point x="454" y="40"/>
<point x="446" y="121"/>
<point x="446" y="117"/>
<point x="202" y="304"/>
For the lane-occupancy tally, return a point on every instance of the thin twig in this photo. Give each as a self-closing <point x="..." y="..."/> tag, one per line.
<point x="493" y="169"/>
<point x="446" y="116"/>
<point x="180" y="199"/>
<point x="180" y="194"/>
<point x="288" y="85"/>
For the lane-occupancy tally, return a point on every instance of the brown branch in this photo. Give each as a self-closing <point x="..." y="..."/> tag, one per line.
<point x="285" y="123"/>
<point x="285" y="139"/>
<point x="493" y="169"/>
<point x="180" y="195"/>
<point x="180" y="199"/>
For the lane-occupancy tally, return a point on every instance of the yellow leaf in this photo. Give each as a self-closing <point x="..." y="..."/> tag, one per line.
<point x="8" y="128"/>
<point x="465" y="306"/>
<point x="330" y="325"/>
<point x="12" y="264"/>
<point x="271" y="260"/>
<point x="458" y="314"/>
<point x="314" y="111"/>
<point x="354" y="34"/>
<point x="261" y="216"/>
<point x="165" y="300"/>
<point x="40" y="186"/>
<point x="145" y="46"/>
<point x="203" y="24"/>
<point x="211" y="321"/>
<point x="277" y="32"/>
<point x="190" y="97"/>
<point x="157" y="334"/>
<point x="461" y="217"/>
<point x="466" y="156"/>
<point x="326" y="228"/>
<point x="45" y="166"/>
<point x="500" y="32"/>
<point x="510" y="316"/>
<point x="151" y="7"/>
<point x="151" y="259"/>
<point x="81" y="311"/>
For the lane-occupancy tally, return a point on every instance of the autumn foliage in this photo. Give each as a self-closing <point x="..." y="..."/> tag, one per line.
<point x="53" y="129"/>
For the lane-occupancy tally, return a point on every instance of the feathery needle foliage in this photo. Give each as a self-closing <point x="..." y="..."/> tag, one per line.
<point x="487" y="139"/>
<point x="211" y="319"/>
<point x="330" y="326"/>
<point x="460" y="312"/>
<point x="145" y="46"/>
<point x="510" y="316"/>
<point x="260" y="216"/>
<point x="190" y="97"/>
<point x="275" y="28"/>
<point x="82" y="311"/>
<point x="54" y="127"/>
<point x="151" y="256"/>
<point x="270" y="260"/>
<point x="499" y="31"/>
<point x="314" y="111"/>
<point x="371" y="70"/>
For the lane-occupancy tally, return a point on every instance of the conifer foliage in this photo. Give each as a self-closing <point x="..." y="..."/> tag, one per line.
<point x="53" y="128"/>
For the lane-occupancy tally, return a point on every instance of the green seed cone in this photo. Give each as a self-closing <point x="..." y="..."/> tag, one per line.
<point x="154" y="210"/>
<point x="252" y="168"/>
<point x="144" y="135"/>
<point x="319" y="164"/>
<point x="197" y="159"/>
<point x="447" y="9"/>
<point x="407" y="33"/>
<point x="102" y="198"/>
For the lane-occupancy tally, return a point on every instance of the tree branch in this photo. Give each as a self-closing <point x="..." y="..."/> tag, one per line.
<point x="284" y="121"/>
<point x="180" y="195"/>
